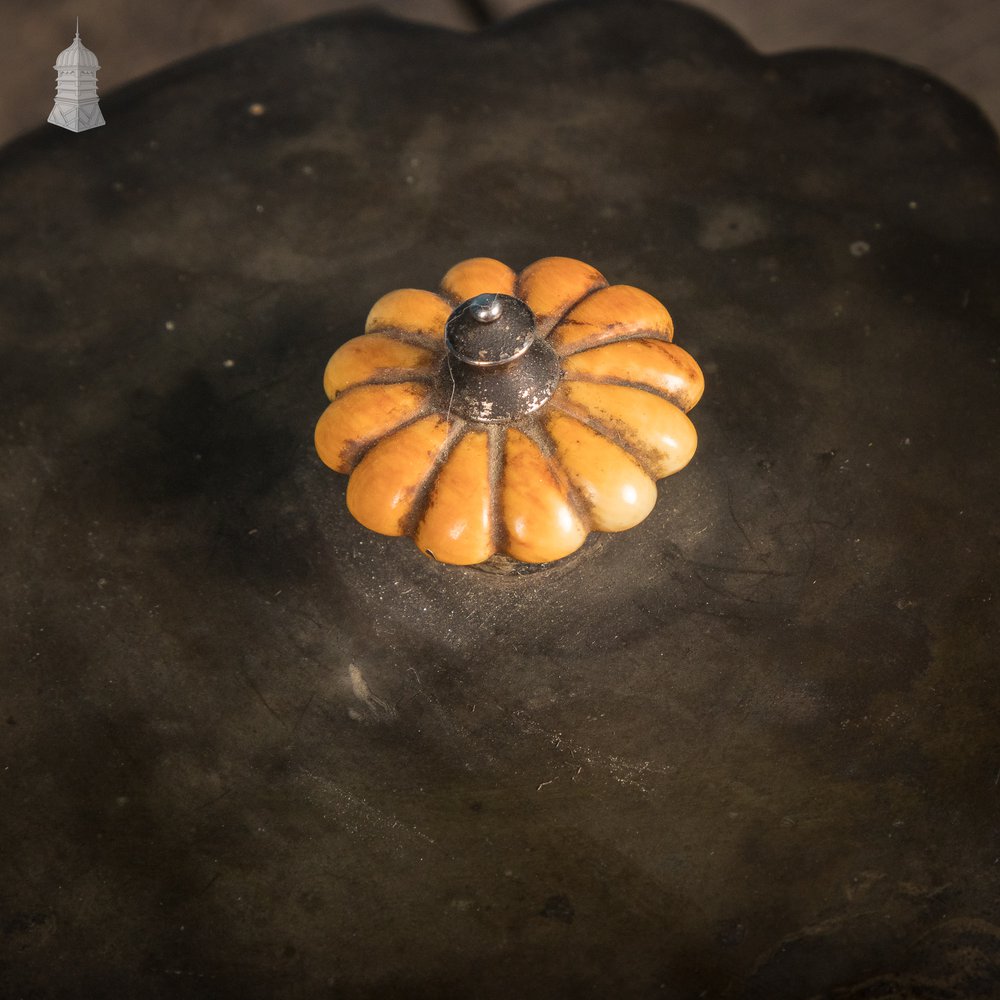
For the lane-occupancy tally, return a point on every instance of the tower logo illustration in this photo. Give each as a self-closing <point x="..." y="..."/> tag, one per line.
<point x="76" y="106"/>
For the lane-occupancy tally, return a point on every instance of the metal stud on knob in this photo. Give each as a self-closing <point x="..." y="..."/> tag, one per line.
<point x="497" y="367"/>
<point x="486" y="308"/>
<point x="490" y="329"/>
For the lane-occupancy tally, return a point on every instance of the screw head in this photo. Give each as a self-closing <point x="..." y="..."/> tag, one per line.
<point x="486" y="308"/>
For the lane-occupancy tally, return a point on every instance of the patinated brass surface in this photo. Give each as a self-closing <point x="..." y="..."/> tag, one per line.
<point x="748" y="749"/>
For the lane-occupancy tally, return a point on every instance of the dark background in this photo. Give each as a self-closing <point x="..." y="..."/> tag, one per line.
<point x="958" y="40"/>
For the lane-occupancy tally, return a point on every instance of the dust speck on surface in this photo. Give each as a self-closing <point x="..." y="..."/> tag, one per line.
<point x="375" y="709"/>
<point x="732" y="225"/>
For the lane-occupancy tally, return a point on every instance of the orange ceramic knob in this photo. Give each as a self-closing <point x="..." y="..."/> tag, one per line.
<point x="510" y="413"/>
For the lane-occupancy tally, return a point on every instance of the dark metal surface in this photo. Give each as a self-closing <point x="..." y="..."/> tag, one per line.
<point x="490" y="329"/>
<point x="748" y="749"/>
<point x="495" y="370"/>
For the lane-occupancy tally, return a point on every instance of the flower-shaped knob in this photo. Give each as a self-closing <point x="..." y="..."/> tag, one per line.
<point x="511" y="414"/>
